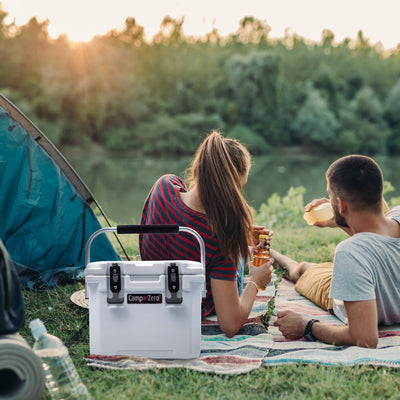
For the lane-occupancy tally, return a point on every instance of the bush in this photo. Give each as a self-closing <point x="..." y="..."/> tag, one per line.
<point x="286" y="211"/>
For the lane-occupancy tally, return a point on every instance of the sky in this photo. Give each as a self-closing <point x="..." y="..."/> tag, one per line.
<point x="82" y="19"/>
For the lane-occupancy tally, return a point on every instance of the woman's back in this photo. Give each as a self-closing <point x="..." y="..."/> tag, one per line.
<point x="165" y="206"/>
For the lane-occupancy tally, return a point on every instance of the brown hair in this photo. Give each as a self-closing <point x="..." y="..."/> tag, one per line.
<point x="217" y="170"/>
<point x="358" y="179"/>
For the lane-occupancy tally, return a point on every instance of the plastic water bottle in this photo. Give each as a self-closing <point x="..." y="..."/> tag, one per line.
<point x="61" y="377"/>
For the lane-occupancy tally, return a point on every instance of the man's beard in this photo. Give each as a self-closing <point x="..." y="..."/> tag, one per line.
<point x="340" y="220"/>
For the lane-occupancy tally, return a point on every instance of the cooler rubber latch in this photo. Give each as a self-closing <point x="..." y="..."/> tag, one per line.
<point x="115" y="294"/>
<point x="174" y="292"/>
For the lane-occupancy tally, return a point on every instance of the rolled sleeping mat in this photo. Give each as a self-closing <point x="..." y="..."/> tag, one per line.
<point x="21" y="372"/>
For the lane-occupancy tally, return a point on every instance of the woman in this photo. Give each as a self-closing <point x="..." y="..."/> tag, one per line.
<point x="215" y="207"/>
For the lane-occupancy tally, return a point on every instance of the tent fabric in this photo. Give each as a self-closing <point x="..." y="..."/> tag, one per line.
<point x="12" y="308"/>
<point x="46" y="216"/>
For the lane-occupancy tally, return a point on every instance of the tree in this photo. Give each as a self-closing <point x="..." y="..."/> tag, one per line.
<point x="327" y="39"/>
<point x="171" y="31"/>
<point x="392" y="109"/>
<point x="132" y="35"/>
<point x="7" y="55"/>
<point x="365" y="130"/>
<point x="3" y="27"/>
<point x="255" y="82"/>
<point x="33" y="42"/>
<point x="330" y="86"/>
<point x="252" y="31"/>
<point x="315" y="123"/>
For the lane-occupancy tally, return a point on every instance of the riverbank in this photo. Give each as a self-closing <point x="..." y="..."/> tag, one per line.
<point x="121" y="181"/>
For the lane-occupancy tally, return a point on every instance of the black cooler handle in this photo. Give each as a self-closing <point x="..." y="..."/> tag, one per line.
<point x="149" y="229"/>
<point x="124" y="229"/>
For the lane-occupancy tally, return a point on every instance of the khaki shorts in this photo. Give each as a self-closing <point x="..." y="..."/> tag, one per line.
<point x="315" y="284"/>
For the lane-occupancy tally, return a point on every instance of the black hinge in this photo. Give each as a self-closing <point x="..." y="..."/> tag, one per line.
<point x="174" y="295"/>
<point x="115" y="285"/>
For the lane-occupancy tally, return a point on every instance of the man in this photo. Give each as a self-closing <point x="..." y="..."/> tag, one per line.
<point x="365" y="274"/>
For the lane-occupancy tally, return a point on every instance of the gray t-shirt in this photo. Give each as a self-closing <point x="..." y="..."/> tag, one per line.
<point x="366" y="267"/>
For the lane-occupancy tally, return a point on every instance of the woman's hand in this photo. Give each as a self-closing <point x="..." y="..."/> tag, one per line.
<point x="232" y="311"/>
<point x="260" y="230"/>
<point x="261" y="275"/>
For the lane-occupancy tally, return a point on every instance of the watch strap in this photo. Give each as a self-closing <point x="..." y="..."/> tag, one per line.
<point x="308" y="331"/>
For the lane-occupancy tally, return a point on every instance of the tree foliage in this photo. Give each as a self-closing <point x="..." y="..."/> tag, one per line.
<point x="160" y="96"/>
<point x="315" y="123"/>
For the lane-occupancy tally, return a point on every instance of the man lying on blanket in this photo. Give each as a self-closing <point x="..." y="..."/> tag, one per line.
<point x="365" y="274"/>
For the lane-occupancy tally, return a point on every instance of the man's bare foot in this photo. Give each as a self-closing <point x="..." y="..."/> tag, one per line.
<point x="294" y="268"/>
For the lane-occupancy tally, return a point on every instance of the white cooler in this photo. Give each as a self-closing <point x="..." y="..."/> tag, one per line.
<point x="145" y="308"/>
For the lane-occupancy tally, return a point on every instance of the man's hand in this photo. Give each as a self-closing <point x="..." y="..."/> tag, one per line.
<point x="361" y="331"/>
<point x="330" y="223"/>
<point x="291" y="324"/>
<point x="315" y="203"/>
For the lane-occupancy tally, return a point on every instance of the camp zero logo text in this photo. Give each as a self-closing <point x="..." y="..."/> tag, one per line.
<point x="144" y="298"/>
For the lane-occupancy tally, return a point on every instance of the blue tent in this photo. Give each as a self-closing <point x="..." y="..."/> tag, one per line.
<point x="46" y="214"/>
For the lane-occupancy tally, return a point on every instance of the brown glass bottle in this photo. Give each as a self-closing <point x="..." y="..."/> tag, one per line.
<point x="261" y="253"/>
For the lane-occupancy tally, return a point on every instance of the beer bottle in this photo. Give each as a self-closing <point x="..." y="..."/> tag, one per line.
<point x="261" y="252"/>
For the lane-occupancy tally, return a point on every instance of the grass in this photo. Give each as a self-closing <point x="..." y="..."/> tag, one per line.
<point x="64" y="319"/>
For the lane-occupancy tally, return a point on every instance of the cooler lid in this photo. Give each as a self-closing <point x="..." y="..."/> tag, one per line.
<point x="157" y="268"/>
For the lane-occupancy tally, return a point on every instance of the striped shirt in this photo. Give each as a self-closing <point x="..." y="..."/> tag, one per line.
<point x="164" y="206"/>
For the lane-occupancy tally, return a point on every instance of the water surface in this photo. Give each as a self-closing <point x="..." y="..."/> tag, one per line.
<point x="121" y="184"/>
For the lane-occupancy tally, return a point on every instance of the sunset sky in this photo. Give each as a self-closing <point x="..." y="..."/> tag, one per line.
<point x="82" y="19"/>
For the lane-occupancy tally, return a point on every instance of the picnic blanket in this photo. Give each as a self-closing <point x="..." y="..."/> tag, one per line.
<point x="300" y="351"/>
<point x="219" y="354"/>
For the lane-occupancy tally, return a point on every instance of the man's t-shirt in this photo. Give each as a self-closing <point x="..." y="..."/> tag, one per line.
<point x="367" y="267"/>
<point x="165" y="206"/>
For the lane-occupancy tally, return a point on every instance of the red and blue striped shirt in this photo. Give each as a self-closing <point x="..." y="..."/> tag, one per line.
<point x="165" y="206"/>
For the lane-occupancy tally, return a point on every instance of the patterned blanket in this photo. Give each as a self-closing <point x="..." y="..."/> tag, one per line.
<point x="219" y="354"/>
<point x="253" y="346"/>
<point x="300" y="351"/>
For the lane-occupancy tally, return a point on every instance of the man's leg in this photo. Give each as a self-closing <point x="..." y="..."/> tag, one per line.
<point x="312" y="280"/>
<point x="294" y="268"/>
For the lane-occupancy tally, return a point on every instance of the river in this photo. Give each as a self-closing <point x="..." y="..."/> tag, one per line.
<point x="121" y="184"/>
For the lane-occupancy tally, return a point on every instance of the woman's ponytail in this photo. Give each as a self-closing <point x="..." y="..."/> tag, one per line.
<point x="218" y="170"/>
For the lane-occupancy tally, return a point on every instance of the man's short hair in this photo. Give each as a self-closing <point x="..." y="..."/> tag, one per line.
<point x="357" y="179"/>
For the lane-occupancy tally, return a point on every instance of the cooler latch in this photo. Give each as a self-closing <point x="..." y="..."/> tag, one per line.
<point x="174" y="292"/>
<point x="116" y="296"/>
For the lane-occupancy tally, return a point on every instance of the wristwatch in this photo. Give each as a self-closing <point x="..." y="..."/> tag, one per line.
<point x="308" y="331"/>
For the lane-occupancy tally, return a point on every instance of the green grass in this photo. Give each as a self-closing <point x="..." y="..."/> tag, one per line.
<point x="64" y="319"/>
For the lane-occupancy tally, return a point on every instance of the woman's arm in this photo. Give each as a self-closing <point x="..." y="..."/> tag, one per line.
<point x="232" y="310"/>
